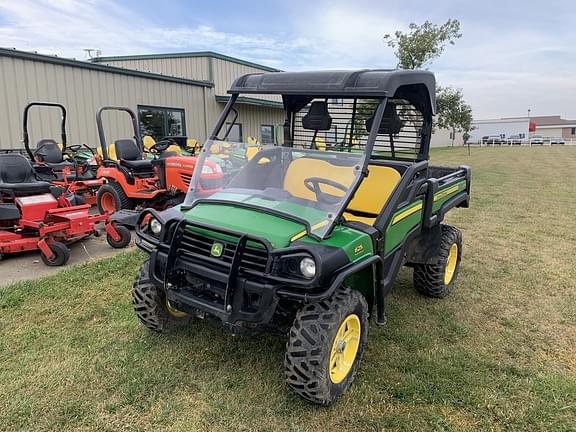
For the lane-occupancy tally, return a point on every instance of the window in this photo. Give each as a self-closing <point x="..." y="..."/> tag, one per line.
<point x="573" y="131"/>
<point x="267" y="134"/>
<point x="235" y="133"/>
<point x="161" y="122"/>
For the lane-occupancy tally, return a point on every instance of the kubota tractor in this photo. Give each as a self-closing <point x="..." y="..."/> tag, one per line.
<point x="133" y="182"/>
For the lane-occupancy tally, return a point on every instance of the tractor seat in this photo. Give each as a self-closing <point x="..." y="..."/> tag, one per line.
<point x="49" y="153"/>
<point x="17" y="176"/>
<point x="130" y="156"/>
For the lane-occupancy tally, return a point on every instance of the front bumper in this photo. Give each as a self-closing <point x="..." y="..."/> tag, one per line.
<point x="238" y="286"/>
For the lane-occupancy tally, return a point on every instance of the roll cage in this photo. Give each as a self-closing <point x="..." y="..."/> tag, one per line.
<point x="401" y="103"/>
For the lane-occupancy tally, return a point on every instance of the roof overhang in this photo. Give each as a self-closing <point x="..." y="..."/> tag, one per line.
<point x="23" y="55"/>
<point x="252" y="101"/>
<point x="348" y="84"/>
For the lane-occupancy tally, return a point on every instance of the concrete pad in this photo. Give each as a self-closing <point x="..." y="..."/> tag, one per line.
<point x="28" y="265"/>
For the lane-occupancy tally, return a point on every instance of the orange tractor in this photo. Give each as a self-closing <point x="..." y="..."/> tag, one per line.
<point x="57" y="162"/>
<point x="133" y="182"/>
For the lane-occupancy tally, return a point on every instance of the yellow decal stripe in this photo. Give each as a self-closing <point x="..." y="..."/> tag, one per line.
<point x="312" y="228"/>
<point x="446" y="192"/>
<point x="403" y="215"/>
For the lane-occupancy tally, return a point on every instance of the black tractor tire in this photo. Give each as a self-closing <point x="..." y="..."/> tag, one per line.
<point x="151" y="306"/>
<point x="112" y="191"/>
<point x="125" y="237"/>
<point x="312" y="340"/>
<point x="61" y="254"/>
<point x="431" y="279"/>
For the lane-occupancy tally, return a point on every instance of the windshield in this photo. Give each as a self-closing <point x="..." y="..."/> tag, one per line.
<point x="303" y="185"/>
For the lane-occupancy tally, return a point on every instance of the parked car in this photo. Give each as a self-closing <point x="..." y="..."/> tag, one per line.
<point x="514" y="140"/>
<point x="557" y="140"/>
<point x="536" y="139"/>
<point x="494" y="139"/>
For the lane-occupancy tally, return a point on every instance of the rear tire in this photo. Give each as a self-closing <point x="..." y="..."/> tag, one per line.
<point x="438" y="280"/>
<point x="321" y="360"/>
<point x="151" y="306"/>
<point x="125" y="237"/>
<point x="61" y="255"/>
<point x="111" y="198"/>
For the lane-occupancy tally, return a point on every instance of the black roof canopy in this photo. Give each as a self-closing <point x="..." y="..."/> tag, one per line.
<point x="338" y="83"/>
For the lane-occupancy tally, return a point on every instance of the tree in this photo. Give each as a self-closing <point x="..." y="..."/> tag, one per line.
<point x="454" y="113"/>
<point x="422" y="43"/>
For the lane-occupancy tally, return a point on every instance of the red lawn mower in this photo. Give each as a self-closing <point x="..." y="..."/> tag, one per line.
<point x="59" y="164"/>
<point x="35" y="215"/>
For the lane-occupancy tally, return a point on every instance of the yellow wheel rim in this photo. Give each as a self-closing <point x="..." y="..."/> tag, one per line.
<point x="174" y="312"/>
<point x="344" y="348"/>
<point x="451" y="264"/>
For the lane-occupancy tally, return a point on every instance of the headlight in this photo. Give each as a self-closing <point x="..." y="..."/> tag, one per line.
<point x="155" y="226"/>
<point x="207" y="170"/>
<point x="308" y="267"/>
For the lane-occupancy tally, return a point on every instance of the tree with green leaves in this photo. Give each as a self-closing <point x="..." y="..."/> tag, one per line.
<point x="422" y="43"/>
<point x="453" y="113"/>
<point x="417" y="48"/>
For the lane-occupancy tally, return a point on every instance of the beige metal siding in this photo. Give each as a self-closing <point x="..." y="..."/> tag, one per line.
<point x="184" y="67"/>
<point x="249" y="116"/>
<point x="221" y="72"/>
<point x="83" y="91"/>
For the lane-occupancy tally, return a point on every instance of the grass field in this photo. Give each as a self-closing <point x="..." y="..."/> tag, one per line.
<point x="498" y="354"/>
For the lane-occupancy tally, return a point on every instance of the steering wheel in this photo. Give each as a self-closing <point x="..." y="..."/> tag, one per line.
<point x="160" y="146"/>
<point x="75" y="147"/>
<point x="313" y="185"/>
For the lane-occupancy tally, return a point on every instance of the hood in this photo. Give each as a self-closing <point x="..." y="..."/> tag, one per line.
<point x="277" y="230"/>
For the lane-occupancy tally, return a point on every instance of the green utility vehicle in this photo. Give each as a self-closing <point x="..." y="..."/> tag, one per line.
<point x="305" y="239"/>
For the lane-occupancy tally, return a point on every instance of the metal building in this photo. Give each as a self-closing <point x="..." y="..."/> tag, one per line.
<point x="173" y="94"/>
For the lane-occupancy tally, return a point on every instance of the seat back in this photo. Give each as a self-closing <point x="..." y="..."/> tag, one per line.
<point x="15" y="168"/>
<point x="391" y="123"/>
<point x="127" y="149"/>
<point x="375" y="190"/>
<point x="148" y="142"/>
<point x="370" y="196"/>
<point x="317" y="118"/>
<point x="47" y="150"/>
<point x="300" y="169"/>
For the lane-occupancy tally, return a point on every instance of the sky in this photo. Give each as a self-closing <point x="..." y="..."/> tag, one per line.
<point x="513" y="56"/>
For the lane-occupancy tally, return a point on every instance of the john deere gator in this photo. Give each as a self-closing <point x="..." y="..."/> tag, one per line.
<point x="305" y="239"/>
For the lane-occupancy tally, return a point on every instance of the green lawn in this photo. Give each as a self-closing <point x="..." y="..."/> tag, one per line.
<point x="498" y="354"/>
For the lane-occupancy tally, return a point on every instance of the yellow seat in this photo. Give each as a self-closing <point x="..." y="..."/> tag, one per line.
<point x="251" y="152"/>
<point x="369" y="198"/>
<point x="320" y="143"/>
<point x="192" y="145"/>
<point x="148" y="142"/>
<point x="111" y="151"/>
<point x="251" y="141"/>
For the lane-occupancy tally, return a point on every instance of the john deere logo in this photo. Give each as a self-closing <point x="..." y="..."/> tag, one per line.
<point x="217" y="249"/>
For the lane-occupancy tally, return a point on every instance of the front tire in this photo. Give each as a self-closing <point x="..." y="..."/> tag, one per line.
<point x="152" y="307"/>
<point x="325" y="346"/>
<point x="111" y="198"/>
<point x="438" y="280"/>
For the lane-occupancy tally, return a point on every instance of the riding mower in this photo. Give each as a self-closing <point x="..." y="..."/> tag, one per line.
<point x="37" y="215"/>
<point x="133" y="182"/>
<point x="70" y="167"/>
<point x="307" y="242"/>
